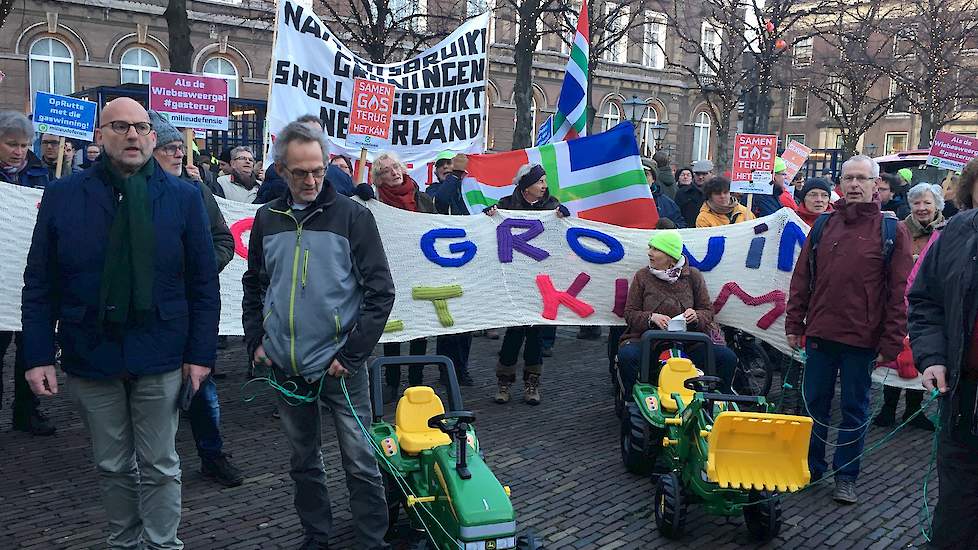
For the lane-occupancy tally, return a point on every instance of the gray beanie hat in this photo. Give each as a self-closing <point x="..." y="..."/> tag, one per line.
<point x="165" y="132"/>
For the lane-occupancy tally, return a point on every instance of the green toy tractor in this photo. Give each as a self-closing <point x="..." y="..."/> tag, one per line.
<point x="705" y="448"/>
<point x="433" y="467"/>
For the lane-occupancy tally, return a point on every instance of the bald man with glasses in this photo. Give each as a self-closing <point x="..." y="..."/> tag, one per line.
<point x="122" y="263"/>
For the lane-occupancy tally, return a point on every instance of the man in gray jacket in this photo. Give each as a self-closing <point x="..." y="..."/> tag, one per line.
<point x="317" y="295"/>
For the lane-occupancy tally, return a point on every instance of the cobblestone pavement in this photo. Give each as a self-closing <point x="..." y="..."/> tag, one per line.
<point x="561" y="459"/>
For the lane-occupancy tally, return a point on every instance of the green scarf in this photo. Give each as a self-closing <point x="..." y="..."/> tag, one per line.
<point x="126" y="294"/>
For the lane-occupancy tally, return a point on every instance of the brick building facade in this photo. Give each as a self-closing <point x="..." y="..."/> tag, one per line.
<point x="67" y="46"/>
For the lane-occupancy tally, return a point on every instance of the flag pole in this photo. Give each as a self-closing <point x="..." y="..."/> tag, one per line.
<point x="266" y="135"/>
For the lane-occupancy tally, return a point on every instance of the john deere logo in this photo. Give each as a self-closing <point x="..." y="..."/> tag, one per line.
<point x="490" y="545"/>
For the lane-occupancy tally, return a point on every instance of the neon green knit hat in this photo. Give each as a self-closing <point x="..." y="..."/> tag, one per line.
<point x="668" y="241"/>
<point x="779" y="165"/>
<point x="906" y="174"/>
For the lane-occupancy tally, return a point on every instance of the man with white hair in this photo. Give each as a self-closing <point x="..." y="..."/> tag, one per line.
<point x="312" y="331"/>
<point x="848" y="317"/>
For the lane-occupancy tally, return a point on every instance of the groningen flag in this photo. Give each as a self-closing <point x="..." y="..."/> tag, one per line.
<point x="570" y="120"/>
<point x="597" y="178"/>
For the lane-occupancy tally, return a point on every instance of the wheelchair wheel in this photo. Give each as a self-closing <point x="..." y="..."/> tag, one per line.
<point x="754" y="370"/>
<point x="670" y="506"/>
<point x="638" y="451"/>
<point x="763" y="515"/>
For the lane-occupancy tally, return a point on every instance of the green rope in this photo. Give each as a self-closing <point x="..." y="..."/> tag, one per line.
<point x="831" y="473"/>
<point x="288" y="390"/>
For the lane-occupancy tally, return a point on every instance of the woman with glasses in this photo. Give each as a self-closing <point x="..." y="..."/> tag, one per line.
<point x="396" y="188"/>
<point x="815" y="199"/>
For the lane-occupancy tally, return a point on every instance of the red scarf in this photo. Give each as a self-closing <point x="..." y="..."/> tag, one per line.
<point x="401" y="196"/>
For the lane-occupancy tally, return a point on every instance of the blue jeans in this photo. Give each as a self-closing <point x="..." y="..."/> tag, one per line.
<point x="826" y="361"/>
<point x="302" y="425"/>
<point x="630" y="362"/>
<point x="205" y="421"/>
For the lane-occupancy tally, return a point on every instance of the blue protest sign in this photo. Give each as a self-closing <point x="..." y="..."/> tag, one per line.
<point x="545" y="132"/>
<point x="61" y="115"/>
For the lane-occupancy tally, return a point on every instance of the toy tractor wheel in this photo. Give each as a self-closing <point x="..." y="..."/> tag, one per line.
<point x="670" y="506"/>
<point x="638" y="452"/>
<point x="762" y="515"/>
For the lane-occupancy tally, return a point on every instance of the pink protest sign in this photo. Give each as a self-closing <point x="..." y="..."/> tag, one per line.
<point x="190" y="101"/>
<point x="753" y="154"/>
<point x="951" y="151"/>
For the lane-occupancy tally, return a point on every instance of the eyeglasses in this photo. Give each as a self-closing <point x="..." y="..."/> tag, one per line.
<point x="173" y="149"/>
<point x="121" y="127"/>
<point x="50" y="143"/>
<point x="857" y="178"/>
<point x="302" y="175"/>
<point x="246" y="159"/>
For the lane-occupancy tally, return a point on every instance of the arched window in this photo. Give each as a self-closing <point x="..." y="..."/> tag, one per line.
<point x="701" y="136"/>
<point x="136" y="64"/>
<point x="610" y="115"/>
<point x="52" y="67"/>
<point x="222" y="68"/>
<point x="649" y="117"/>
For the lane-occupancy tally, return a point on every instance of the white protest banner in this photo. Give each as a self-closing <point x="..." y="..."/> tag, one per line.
<point x="517" y="268"/>
<point x="439" y="100"/>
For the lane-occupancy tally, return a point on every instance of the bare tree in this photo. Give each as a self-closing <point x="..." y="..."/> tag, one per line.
<point x="766" y="27"/>
<point x="6" y="6"/>
<point x="713" y="60"/>
<point x="528" y="15"/>
<point x="181" y="50"/>
<point x="387" y="31"/>
<point x="933" y="42"/>
<point x="847" y="69"/>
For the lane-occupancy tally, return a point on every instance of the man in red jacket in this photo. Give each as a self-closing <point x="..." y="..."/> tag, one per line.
<point x="851" y="313"/>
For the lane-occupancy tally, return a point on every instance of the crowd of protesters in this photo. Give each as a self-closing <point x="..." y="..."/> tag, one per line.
<point x="131" y="286"/>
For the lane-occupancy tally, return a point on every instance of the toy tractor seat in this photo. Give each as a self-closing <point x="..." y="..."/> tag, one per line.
<point x="672" y="377"/>
<point x="759" y="451"/>
<point x="418" y="404"/>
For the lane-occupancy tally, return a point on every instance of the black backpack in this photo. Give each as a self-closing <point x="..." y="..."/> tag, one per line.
<point x="888" y="229"/>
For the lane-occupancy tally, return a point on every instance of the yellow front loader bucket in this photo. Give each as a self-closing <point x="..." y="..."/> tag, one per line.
<point x="759" y="451"/>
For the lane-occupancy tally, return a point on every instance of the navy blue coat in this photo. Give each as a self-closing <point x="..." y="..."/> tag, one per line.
<point x="34" y="174"/>
<point x="448" y="194"/>
<point x="669" y="209"/>
<point x="64" y="273"/>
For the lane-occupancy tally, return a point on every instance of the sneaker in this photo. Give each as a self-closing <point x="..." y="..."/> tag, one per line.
<point x="221" y="470"/>
<point x="492" y="334"/>
<point x="845" y="492"/>
<point x="465" y="379"/>
<point x="547" y="351"/>
<point x="33" y="422"/>
<point x="588" y="333"/>
<point x="502" y="396"/>
<point x="885" y="419"/>
<point x="531" y="389"/>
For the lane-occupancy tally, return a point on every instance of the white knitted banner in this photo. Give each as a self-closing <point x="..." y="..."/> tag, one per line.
<point x="503" y="268"/>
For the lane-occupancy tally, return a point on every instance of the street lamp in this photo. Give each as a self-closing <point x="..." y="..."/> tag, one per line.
<point x="871" y="149"/>
<point x="635" y="108"/>
<point x="659" y="133"/>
